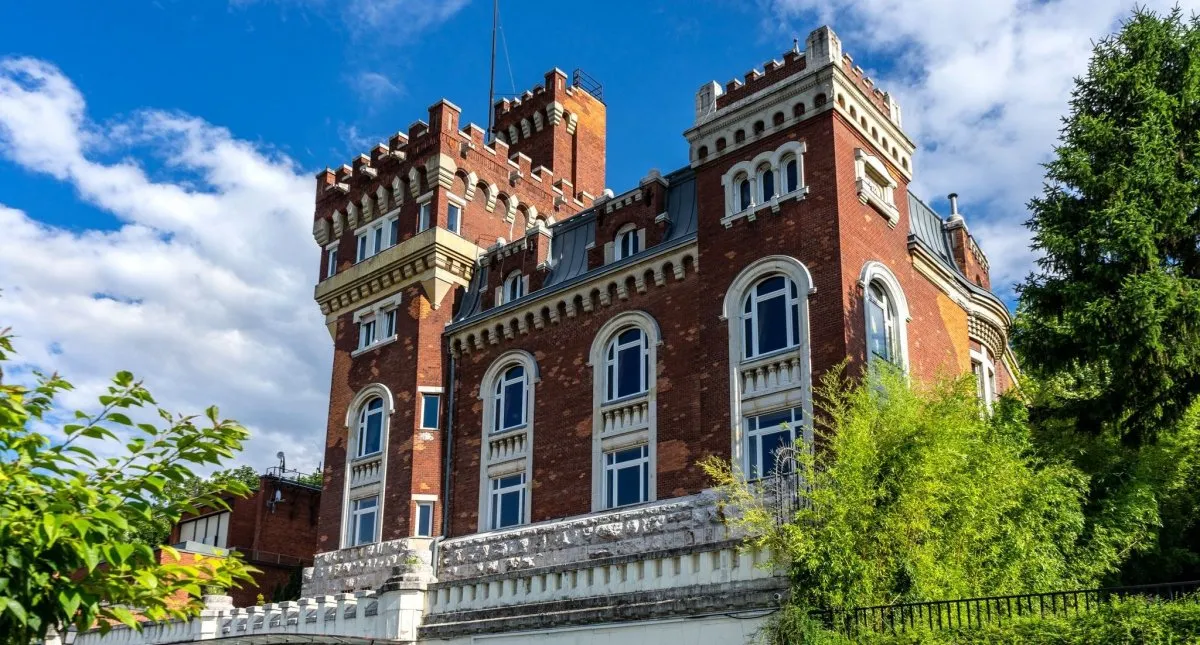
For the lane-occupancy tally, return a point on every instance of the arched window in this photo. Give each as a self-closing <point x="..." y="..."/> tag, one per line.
<point x="886" y="316"/>
<point x="759" y="126"/>
<point x="771" y="317"/>
<point x="745" y="192"/>
<point x="720" y="144"/>
<point x="766" y="179"/>
<point x="702" y="153"/>
<point x="739" y="136"/>
<point x="820" y="100"/>
<point x="791" y="174"/>
<point x="626" y="365"/>
<point x="778" y="118"/>
<point x="798" y="109"/>
<point x="628" y="242"/>
<point x="508" y="403"/>
<point x="514" y="286"/>
<point x="370" y="427"/>
<point x="881" y="324"/>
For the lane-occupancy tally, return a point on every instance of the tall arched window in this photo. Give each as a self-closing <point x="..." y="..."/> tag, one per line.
<point x="370" y="427"/>
<point x="881" y="324"/>
<point x="626" y="365"/>
<point x="886" y="316"/>
<point x="628" y="242"/>
<point x="509" y="400"/>
<point x="766" y="179"/>
<point x="514" y="286"/>
<point x="791" y="174"/>
<point x="745" y="192"/>
<point x="771" y="317"/>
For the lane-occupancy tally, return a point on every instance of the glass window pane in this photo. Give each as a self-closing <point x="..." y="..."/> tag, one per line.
<point x="429" y="410"/>
<point x="745" y="194"/>
<point x="374" y="433"/>
<point x="629" y="371"/>
<point x="770" y="285"/>
<point x="425" y="520"/>
<point x="768" y="183"/>
<point x="876" y="332"/>
<point x="771" y="443"/>
<point x="772" y="324"/>
<point x="610" y="479"/>
<point x="510" y="509"/>
<point x="629" y="485"/>
<point x="394" y="237"/>
<point x="629" y="336"/>
<point x="793" y="176"/>
<point x="514" y="404"/>
<point x="516" y="371"/>
<point x="631" y="454"/>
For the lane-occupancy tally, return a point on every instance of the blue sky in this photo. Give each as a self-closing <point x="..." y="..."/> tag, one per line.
<point x="156" y="158"/>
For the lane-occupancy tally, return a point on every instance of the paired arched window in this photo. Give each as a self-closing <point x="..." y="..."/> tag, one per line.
<point x="770" y="317"/>
<point x="628" y="242"/>
<point x="509" y="399"/>
<point x="626" y="365"/>
<point x="514" y="286"/>
<point x="791" y="174"/>
<point x="370" y="427"/>
<point x="768" y="179"/>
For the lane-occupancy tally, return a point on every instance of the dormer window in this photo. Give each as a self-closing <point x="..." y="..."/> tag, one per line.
<point x="514" y="286"/>
<point x="628" y="242"/>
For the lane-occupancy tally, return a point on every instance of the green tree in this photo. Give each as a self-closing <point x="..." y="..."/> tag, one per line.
<point x="66" y="512"/>
<point x="154" y="530"/>
<point x="916" y="495"/>
<point x="1115" y="300"/>
<point x="1108" y="326"/>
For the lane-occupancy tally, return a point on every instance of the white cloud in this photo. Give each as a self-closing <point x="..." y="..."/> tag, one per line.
<point x="983" y="86"/>
<point x="398" y="19"/>
<point x="374" y="88"/>
<point x="205" y="290"/>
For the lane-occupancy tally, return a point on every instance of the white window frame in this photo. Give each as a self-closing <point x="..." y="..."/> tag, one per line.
<point x="514" y="287"/>
<point x="378" y="324"/>
<point x="454" y="201"/>
<point x="362" y="246"/>
<point x="437" y="408"/>
<point x="353" y="538"/>
<point x="364" y="414"/>
<point x="612" y="364"/>
<point x="216" y="529"/>
<point x="750" y="395"/>
<point x="417" y="531"/>
<point x="510" y="451"/>
<point x="612" y="468"/>
<point x="631" y="234"/>
<point x="631" y="420"/>
<point x="751" y="170"/>
<point x="392" y="230"/>
<point x="985" y="375"/>
<point x="500" y="398"/>
<point x="792" y="297"/>
<point x="875" y="272"/>
<point x="875" y="185"/>
<point x="752" y="433"/>
<point x="358" y="490"/>
<point x="425" y="214"/>
<point x="496" y="493"/>
<point x="331" y="259"/>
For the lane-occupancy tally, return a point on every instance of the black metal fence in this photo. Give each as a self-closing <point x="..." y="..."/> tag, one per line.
<point x="991" y="610"/>
<point x="584" y="81"/>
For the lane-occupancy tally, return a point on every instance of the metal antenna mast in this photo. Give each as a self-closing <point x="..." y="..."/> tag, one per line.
<point x="492" y="76"/>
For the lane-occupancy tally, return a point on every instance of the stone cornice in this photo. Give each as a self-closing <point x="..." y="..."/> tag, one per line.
<point x="433" y="254"/>
<point x="989" y="320"/>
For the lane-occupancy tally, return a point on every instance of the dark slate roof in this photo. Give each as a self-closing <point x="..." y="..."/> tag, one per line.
<point x="927" y="228"/>
<point x="570" y="238"/>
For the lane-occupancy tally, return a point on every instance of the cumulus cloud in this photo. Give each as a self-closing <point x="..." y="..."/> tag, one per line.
<point x="983" y="86"/>
<point x="205" y="288"/>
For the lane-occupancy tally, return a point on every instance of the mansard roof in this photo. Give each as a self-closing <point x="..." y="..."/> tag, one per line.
<point x="927" y="230"/>
<point x="571" y="238"/>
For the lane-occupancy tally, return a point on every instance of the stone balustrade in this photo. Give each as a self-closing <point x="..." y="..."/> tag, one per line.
<point x="362" y="567"/>
<point x="625" y="416"/>
<point x="772" y="374"/>
<point x="366" y="471"/>
<point x="507" y="446"/>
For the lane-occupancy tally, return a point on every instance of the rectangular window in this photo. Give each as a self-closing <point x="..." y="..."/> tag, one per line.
<point x="626" y="476"/>
<point x="429" y="411"/>
<point x="507" y="502"/>
<point x="331" y="259"/>
<point x="377" y="233"/>
<point x="363" y="249"/>
<point x="454" y="218"/>
<point x="363" y="520"/>
<point x="212" y="530"/>
<point x="389" y="323"/>
<point x="366" y="333"/>
<point x="766" y="434"/>
<point x="424" y="216"/>
<point x="424" y="519"/>
<point x="394" y="230"/>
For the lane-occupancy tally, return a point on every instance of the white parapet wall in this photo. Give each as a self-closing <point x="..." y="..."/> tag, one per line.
<point x="362" y="567"/>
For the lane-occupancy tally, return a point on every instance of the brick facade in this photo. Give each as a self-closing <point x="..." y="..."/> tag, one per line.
<point x="533" y="203"/>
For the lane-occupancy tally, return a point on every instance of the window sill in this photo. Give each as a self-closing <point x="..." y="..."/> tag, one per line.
<point x="769" y="357"/>
<point x="868" y="193"/>
<point x="751" y="213"/>
<point x="504" y="432"/>
<point x="376" y="345"/>
<point x="366" y="458"/>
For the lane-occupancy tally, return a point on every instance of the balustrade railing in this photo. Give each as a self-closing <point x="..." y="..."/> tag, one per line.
<point x="367" y="471"/>
<point x="509" y="445"/>
<point x="771" y="374"/>
<point x="625" y="416"/>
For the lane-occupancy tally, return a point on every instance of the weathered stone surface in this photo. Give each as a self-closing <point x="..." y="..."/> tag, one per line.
<point x="364" y="567"/>
<point x="680" y="522"/>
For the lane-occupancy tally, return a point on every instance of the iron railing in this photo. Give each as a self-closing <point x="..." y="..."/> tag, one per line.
<point x="587" y="83"/>
<point x="989" y="610"/>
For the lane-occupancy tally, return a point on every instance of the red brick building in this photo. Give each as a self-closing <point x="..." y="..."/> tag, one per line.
<point x="274" y="528"/>
<point x="515" y="344"/>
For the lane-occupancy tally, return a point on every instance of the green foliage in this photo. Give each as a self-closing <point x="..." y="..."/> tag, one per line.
<point x="1131" y="620"/>
<point x="66" y="513"/>
<point x="315" y="479"/>
<point x="155" y="530"/>
<point x="1114" y="307"/>
<point x="916" y="495"/>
